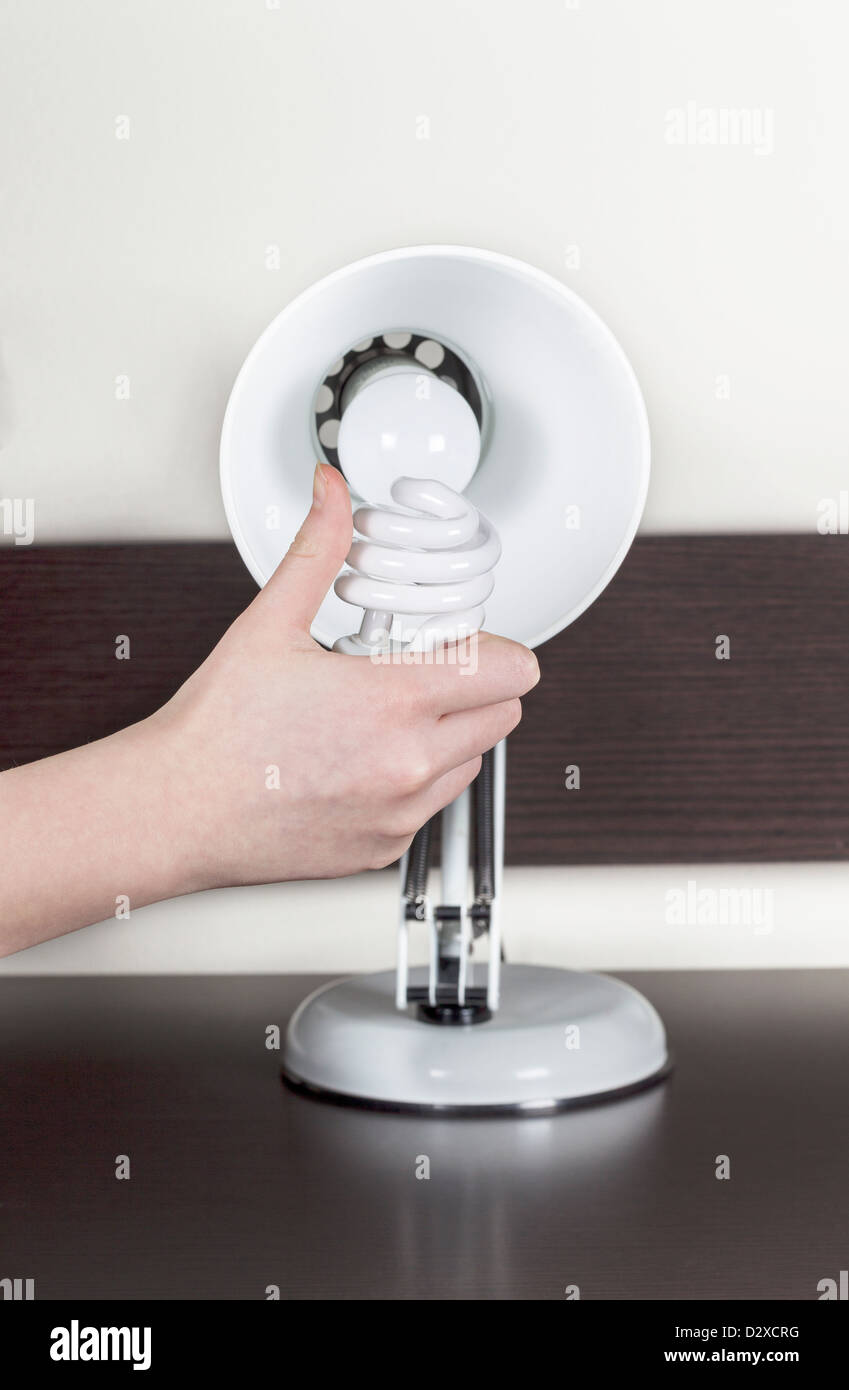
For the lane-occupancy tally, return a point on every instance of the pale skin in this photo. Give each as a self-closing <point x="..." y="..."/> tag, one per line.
<point x="184" y="801"/>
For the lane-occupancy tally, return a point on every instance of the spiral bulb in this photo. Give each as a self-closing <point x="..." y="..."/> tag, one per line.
<point x="430" y="561"/>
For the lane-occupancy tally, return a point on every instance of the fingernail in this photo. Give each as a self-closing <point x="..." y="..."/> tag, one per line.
<point x="319" y="486"/>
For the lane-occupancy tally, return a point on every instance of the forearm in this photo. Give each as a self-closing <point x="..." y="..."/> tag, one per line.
<point x="93" y="832"/>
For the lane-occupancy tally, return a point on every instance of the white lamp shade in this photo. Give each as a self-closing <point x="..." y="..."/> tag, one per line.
<point x="565" y="465"/>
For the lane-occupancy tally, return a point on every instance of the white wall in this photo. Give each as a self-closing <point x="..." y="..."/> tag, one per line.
<point x="585" y="918"/>
<point x="253" y="124"/>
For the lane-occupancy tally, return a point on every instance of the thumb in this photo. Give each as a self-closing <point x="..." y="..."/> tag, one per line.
<point x="298" y="586"/>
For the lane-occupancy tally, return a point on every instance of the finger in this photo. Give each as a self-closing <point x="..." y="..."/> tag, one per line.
<point x="484" y="670"/>
<point x="468" y="733"/>
<point x="297" y="588"/>
<point x="442" y="792"/>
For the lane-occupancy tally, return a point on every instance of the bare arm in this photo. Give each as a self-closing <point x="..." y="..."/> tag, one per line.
<point x="276" y="760"/>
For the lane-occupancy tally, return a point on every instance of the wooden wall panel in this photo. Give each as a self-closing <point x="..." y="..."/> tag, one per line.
<point x="681" y="756"/>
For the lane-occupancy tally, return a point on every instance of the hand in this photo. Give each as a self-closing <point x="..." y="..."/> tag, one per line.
<point x="295" y="762"/>
<point x="275" y="760"/>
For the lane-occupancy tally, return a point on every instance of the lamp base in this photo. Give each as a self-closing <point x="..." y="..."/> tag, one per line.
<point x="561" y="1038"/>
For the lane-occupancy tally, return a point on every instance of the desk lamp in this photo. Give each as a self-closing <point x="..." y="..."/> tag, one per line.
<point x="496" y="433"/>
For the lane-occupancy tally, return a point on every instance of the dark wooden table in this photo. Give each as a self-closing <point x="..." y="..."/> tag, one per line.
<point x="236" y="1184"/>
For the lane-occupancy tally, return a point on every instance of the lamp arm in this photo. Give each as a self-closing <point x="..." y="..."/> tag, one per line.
<point x="472" y="836"/>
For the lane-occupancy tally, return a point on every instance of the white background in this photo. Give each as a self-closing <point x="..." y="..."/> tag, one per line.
<point x="254" y="127"/>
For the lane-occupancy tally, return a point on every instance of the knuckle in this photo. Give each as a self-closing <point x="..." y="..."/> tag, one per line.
<point x="405" y="777"/>
<point x="412" y="769"/>
<point x="389" y="850"/>
<point x="407" y="825"/>
<point x="423" y="770"/>
<point x="304" y="545"/>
